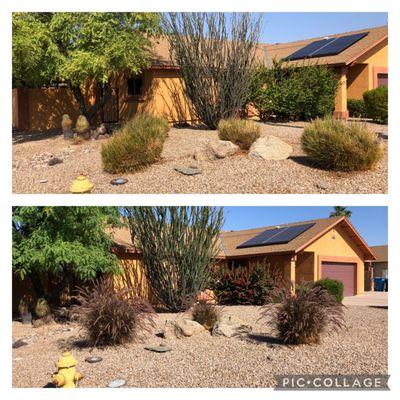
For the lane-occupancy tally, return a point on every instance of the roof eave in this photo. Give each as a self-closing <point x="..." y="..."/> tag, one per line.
<point x="354" y="59"/>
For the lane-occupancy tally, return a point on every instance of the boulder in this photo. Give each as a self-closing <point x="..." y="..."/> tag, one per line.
<point x="182" y="328"/>
<point x="270" y="148"/>
<point x="230" y="326"/>
<point x="223" y="148"/>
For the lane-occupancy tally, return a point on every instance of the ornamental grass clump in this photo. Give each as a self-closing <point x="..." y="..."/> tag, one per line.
<point x="302" y="317"/>
<point x="206" y="314"/>
<point x="112" y="316"/>
<point x="340" y="146"/>
<point x="136" y="145"/>
<point x="239" y="131"/>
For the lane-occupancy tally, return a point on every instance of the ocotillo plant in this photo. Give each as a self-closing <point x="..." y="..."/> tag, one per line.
<point x="178" y="246"/>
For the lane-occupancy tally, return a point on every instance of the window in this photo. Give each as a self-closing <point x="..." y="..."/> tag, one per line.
<point x="382" y="80"/>
<point x="135" y="86"/>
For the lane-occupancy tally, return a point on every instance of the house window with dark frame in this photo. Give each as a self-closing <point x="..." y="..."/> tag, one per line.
<point x="382" y="79"/>
<point x="135" y="86"/>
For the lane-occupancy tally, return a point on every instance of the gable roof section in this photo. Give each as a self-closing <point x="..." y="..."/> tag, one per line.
<point x="230" y="240"/>
<point x="265" y="53"/>
<point x="381" y="253"/>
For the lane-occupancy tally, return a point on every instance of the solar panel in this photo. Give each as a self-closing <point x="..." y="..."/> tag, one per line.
<point x="339" y="44"/>
<point x="326" y="47"/>
<point x="276" y="236"/>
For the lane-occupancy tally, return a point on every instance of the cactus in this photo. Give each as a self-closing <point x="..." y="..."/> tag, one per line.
<point x="42" y="308"/>
<point x="82" y="125"/>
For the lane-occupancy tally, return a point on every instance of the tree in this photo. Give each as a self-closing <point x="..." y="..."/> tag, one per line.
<point x="340" y="211"/>
<point x="78" y="48"/>
<point x="178" y="246"/>
<point x="215" y="58"/>
<point x="65" y="242"/>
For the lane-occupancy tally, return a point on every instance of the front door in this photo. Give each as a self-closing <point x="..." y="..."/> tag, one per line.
<point x="110" y="110"/>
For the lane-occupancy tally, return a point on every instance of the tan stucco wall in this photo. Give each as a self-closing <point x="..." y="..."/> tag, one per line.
<point x="305" y="267"/>
<point x="357" y="81"/>
<point x="336" y="243"/>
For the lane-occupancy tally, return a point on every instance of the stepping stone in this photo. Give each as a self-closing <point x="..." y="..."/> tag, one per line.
<point x="188" y="170"/>
<point x="159" y="349"/>
<point x="118" y="181"/>
<point x="93" y="360"/>
<point x="54" y="161"/>
<point x="117" y="383"/>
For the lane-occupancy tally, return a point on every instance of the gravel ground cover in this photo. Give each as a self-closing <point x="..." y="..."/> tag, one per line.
<point x="236" y="174"/>
<point x="206" y="361"/>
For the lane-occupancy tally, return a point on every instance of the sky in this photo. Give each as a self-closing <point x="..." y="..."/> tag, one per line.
<point x="286" y="27"/>
<point x="370" y="222"/>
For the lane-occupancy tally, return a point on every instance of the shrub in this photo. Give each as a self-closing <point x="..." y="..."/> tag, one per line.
<point x="333" y="287"/>
<point x="356" y="108"/>
<point x="206" y="314"/>
<point x="340" y="146"/>
<point x="293" y="92"/>
<point x="137" y="144"/>
<point x="302" y="317"/>
<point x="245" y="285"/>
<point x="239" y="131"/>
<point x="112" y="316"/>
<point x="376" y="104"/>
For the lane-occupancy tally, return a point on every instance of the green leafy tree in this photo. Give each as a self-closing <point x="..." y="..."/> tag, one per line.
<point x="178" y="246"/>
<point x="80" y="47"/>
<point x="339" y="211"/>
<point x="63" y="242"/>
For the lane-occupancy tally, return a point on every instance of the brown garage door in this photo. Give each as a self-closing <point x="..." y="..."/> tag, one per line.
<point x="343" y="272"/>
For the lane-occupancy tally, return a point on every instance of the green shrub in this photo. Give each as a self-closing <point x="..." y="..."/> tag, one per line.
<point x="333" y="287"/>
<point x="303" y="317"/>
<point x="339" y="146"/>
<point x="293" y="92"/>
<point x="137" y="144"/>
<point x="112" y="316"/>
<point x="376" y="104"/>
<point x="356" y="108"/>
<point x="245" y="285"/>
<point x="239" y="131"/>
<point x="206" y="314"/>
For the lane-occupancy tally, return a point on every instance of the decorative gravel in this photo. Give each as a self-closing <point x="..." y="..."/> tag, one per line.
<point x="237" y="174"/>
<point x="206" y="361"/>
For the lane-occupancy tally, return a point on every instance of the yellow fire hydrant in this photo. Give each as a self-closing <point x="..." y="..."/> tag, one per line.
<point x="67" y="376"/>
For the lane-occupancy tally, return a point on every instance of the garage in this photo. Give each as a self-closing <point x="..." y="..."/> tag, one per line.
<point x="344" y="272"/>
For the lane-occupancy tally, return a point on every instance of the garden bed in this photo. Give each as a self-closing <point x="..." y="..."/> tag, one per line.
<point x="236" y="174"/>
<point x="205" y="360"/>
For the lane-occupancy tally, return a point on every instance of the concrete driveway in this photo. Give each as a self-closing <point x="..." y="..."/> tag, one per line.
<point x="368" y="299"/>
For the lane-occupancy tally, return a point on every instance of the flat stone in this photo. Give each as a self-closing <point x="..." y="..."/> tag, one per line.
<point x="117" y="383"/>
<point x="19" y="343"/>
<point x="188" y="170"/>
<point x="93" y="360"/>
<point x="43" y="181"/>
<point x="223" y="148"/>
<point x="159" y="349"/>
<point x="270" y="148"/>
<point x="118" y="181"/>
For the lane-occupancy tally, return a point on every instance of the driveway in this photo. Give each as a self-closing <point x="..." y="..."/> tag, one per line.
<point x="368" y="299"/>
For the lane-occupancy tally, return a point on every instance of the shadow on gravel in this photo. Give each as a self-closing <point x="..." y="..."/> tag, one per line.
<point x="379" y="307"/>
<point x="23" y="137"/>
<point x="263" y="339"/>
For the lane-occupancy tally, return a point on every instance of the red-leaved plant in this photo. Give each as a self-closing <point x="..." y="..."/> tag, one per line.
<point x="112" y="316"/>
<point x="301" y="317"/>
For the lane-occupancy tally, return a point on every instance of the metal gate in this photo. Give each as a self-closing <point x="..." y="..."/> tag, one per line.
<point x="110" y="110"/>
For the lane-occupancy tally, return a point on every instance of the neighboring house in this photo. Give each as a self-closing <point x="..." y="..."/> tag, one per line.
<point x="379" y="267"/>
<point x="361" y="65"/>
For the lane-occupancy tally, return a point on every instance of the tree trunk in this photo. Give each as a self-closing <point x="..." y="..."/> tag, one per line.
<point x="37" y="285"/>
<point x="92" y="111"/>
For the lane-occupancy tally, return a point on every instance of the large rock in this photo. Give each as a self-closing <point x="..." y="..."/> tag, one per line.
<point x="214" y="149"/>
<point x="182" y="328"/>
<point x="270" y="148"/>
<point x="230" y="326"/>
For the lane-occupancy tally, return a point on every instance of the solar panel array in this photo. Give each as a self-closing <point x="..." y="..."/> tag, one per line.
<point x="276" y="236"/>
<point x="326" y="47"/>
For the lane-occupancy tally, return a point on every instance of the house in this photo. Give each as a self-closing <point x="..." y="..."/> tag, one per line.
<point x="360" y="59"/>
<point x="379" y="267"/>
<point x="304" y="251"/>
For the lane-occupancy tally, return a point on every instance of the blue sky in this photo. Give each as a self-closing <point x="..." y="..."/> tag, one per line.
<point x="286" y="27"/>
<point x="371" y="222"/>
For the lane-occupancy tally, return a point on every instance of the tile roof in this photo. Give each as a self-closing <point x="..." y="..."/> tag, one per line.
<point x="267" y="52"/>
<point x="381" y="253"/>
